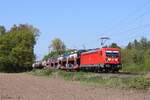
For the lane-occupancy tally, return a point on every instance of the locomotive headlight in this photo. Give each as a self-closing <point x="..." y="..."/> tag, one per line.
<point x="116" y="59"/>
<point x="109" y="59"/>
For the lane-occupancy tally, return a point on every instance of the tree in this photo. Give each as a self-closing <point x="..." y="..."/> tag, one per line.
<point x="52" y="54"/>
<point x="137" y="53"/>
<point x="136" y="44"/>
<point x="2" y="30"/>
<point x="58" y="45"/>
<point x="144" y="43"/>
<point x="17" y="48"/>
<point x="129" y="46"/>
<point x="147" y="58"/>
<point x="114" y="45"/>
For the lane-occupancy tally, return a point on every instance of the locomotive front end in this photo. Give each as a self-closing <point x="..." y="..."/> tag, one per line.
<point x="113" y="59"/>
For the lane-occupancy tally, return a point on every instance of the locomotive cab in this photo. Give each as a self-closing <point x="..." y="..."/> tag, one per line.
<point x="112" y="59"/>
<point x="104" y="59"/>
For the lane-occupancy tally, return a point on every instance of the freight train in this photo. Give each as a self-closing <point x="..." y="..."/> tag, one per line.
<point x="96" y="60"/>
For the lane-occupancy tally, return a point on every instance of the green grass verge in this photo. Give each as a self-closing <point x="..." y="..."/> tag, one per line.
<point x="42" y="72"/>
<point x="136" y="68"/>
<point x="139" y="82"/>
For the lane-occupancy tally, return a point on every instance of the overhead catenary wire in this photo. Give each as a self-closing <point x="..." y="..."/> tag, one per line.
<point x="130" y="15"/>
<point x="129" y="32"/>
<point x="138" y="27"/>
<point x="129" y="21"/>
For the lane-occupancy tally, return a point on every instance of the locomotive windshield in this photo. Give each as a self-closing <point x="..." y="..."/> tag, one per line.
<point x="112" y="53"/>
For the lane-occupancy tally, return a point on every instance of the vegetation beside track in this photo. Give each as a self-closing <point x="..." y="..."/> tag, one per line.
<point x="138" y="82"/>
<point x="133" y="68"/>
<point x="17" y="48"/>
<point x="136" y="56"/>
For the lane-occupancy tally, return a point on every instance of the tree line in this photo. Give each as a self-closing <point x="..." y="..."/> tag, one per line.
<point x="17" y="47"/>
<point x="136" y="55"/>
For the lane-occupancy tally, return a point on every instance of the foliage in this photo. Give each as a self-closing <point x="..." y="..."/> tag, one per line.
<point x="52" y="54"/>
<point x="57" y="45"/>
<point x="2" y="30"/>
<point x="114" y="45"/>
<point x="136" y="56"/>
<point x="17" y="48"/>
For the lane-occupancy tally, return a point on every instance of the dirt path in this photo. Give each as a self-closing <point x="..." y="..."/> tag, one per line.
<point x="28" y="87"/>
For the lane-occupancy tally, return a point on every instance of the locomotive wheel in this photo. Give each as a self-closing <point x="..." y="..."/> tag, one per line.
<point x="115" y="71"/>
<point x="106" y="70"/>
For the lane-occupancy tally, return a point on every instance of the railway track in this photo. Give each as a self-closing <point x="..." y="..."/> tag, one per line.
<point x="119" y="74"/>
<point x="107" y="74"/>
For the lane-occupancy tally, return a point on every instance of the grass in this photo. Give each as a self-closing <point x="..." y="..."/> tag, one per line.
<point x="134" y="68"/>
<point x="139" y="82"/>
<point x="42" y="72"/>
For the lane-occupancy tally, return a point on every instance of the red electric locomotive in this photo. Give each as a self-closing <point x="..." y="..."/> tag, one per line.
<point x="104" y="59"/>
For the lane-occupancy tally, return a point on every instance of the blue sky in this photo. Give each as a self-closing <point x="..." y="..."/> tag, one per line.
<point x="79" y="22"/>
